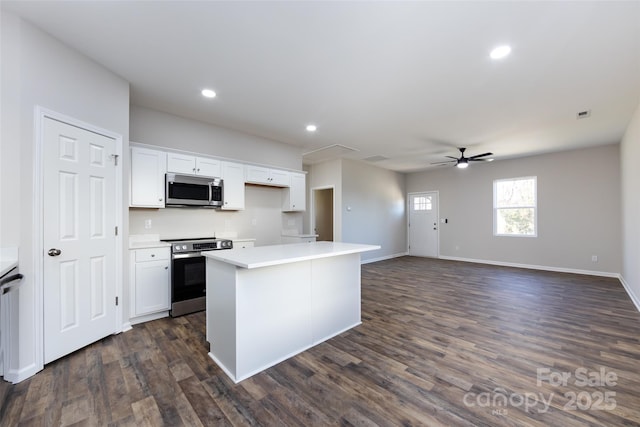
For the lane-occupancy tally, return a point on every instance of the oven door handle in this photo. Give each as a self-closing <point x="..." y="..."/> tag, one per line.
<point x="187" y="255"/>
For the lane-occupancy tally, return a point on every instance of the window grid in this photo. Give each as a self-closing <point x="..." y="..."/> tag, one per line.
<point x="515" y="207"/>
<point x="422" y="203"/>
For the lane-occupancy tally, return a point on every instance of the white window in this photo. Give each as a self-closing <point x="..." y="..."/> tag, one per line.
<point x="422" y="203"/>
<point x="515" y="207"/>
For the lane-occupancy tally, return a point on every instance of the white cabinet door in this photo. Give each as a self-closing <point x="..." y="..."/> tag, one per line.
<point x="233" y="181"/>
<point x="192" y="165"/>
<point x="280" y="178"/>
<point x="266" y="176"/>
<point x="258" y="175"/>
<point x="208" y="167"/>
<point x="181" y="163"/>
<point x="152" y="287"/>
<point x="294" y="199"/>
<point x="150" y="281"/>
<point x="148" y="168"/>
<point x="241" y="245"/>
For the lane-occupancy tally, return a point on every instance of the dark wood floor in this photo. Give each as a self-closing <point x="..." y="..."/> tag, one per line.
<point x="442" y="343"/>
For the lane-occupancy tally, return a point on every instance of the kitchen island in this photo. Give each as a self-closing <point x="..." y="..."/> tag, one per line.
<point x="268" y="303"/>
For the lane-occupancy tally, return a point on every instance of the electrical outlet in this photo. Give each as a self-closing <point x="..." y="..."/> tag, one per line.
<point x="147" y="224"/>
<point x="594" y="258"/>
<point x="254" y="221"/>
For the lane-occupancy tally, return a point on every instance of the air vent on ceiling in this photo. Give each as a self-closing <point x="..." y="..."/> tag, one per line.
<point x="374" y="159"/>
<point x="583" y="114"/>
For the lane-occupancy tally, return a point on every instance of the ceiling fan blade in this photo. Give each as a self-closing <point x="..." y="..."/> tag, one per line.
<point x="451" y="157"/>
<point x="480" y="155"/>
<point x="479" y="160"/>
<point x="445" y="163"/>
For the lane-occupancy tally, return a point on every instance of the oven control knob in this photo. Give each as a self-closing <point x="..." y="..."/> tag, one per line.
<point x="184" y="247"/>
<point x="177" y="248"/>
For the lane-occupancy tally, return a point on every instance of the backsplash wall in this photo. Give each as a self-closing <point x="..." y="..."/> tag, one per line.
<point x="262" y="219"/>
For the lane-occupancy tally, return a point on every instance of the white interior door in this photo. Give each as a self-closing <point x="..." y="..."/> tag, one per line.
<point x="79" y="238"/>
<point x="423" y="224"/>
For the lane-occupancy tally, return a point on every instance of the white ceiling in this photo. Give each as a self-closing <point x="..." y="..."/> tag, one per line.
<point x="407" y="81"/>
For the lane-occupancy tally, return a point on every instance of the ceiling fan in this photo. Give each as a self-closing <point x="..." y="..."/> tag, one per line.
<point x="463" y="161"/>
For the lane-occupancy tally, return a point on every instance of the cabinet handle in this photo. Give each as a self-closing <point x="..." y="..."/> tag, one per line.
<point x="160" y="199"/>
<point x="198" y="169"/>
<point x="153" y="255"/>
<point x="166" y="268"/>
<point x="194" y="169"/>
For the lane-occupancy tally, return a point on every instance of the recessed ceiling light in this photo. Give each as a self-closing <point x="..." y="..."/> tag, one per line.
<point x="500" y="52"/>
<point x="208" y="93"/>
<point x="311" y="128"/>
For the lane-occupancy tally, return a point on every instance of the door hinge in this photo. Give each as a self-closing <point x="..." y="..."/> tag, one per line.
<point x="116" y="230"/>
<point x="116" y="300"/>
<point x="115" y="159"/>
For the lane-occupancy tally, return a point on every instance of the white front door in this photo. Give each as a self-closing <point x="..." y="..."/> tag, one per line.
<point x="79" y="238"/>
<point x="423" y="224"/>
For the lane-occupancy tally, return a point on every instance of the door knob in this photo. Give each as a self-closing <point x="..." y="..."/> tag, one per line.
<point x="54" y="252"/>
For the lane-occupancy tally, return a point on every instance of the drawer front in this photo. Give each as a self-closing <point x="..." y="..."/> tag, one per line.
<point x="152" y="254"/>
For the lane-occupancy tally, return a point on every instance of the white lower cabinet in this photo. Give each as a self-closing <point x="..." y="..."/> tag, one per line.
<point x="240" y="244"/>
<point x="298" y="239"/>
<point x="150" y="284"/>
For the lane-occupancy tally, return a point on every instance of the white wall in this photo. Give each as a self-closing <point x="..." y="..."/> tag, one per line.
<point x="166" y="130"/>
<point x="369" y="204"/>
<point x="374" y="208"/>
<point x="629" y="155"/>
<point x="578" y="210"/>
<point x="327" y="175"/>
<point x="263" y="205"/>
<point x="40" y="71"/>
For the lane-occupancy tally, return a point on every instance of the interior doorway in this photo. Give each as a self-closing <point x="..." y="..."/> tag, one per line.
<point x="322" y="213"/>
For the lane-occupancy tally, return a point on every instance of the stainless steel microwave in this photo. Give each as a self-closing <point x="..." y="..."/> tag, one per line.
<point x="192" y="190"/>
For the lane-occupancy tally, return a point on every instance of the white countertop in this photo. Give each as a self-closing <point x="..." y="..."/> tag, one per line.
<point x="8" y="260"/>
<point x="148" y="245"/>
<point x="146" y="241"/>
<point x="264" y="256"/>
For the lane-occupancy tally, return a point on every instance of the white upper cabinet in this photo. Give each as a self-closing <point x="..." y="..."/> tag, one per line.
<point x="233" y="186"/>
<point x="148" y="168"/>
<point x="267" y="176"/>
<point x="193" y="165"/>
<point x="294" y="199"/>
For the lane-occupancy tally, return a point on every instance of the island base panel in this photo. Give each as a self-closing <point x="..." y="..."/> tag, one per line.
<point x="259" y="317"/>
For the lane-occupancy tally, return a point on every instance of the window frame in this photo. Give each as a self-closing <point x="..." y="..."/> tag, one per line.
<point x="534" y="206"/>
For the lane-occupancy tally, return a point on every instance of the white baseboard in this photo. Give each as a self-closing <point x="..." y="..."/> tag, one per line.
<point x="126" y="327"/>
<point x="368" y="261"/>
<point x="632" y="295"/>
<point x="534" y="267"/>
<point x="148" y="317"/>
<point x="15" y="376"/>
<point x="627" y="288"/>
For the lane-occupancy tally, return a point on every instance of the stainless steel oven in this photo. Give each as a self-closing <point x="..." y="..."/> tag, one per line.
<point x="188" y="273"/>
